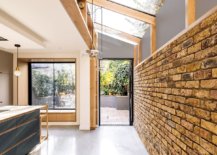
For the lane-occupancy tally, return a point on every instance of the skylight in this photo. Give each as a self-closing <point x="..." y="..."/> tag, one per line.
<point x="147" y="6"/>
<point x="118" y="21"/>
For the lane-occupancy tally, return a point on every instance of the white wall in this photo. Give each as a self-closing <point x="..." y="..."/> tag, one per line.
<point x="82" y="87"/>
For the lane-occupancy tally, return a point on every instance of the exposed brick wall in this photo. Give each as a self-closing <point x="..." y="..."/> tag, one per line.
<point x="175" y="94"/>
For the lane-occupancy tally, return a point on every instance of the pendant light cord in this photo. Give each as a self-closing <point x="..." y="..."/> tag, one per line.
<point x="17" y="56"/>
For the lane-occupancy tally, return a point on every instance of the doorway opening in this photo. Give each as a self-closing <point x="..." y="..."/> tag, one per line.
<point x="116" y="92"/>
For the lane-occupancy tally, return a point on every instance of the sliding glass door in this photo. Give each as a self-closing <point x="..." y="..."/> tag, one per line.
<point x="52" y="84"/>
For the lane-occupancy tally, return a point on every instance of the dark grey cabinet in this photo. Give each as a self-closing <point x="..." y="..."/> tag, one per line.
<point x="19" y="135"/>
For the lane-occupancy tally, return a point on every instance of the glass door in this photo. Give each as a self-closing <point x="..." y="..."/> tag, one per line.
<point x="116" y="92"/>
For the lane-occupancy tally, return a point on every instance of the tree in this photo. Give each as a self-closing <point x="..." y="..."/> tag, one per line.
<point x="121" y="82"/>
<point x="42" y="84"/>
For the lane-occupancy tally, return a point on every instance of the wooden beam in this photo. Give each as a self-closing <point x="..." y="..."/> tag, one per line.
<point x="124" y="10"/>
<point x="75" y="14"/>
<point x="83" y="7"/>
<point x="117" y="33"/>
<point x="153" y="38"/>
<point x="139" y="52"/>
<point x="190" y="12"/>
<point x="135" y="53"/>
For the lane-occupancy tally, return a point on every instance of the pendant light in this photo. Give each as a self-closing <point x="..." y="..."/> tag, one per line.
<point x="17" y="72"/>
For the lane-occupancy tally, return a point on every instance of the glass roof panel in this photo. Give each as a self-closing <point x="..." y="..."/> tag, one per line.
<point x="148" y="6"/>
<point x="118" y="21"/>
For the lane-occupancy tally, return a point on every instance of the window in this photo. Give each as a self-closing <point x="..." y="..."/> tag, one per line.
<point x="117" y="21"/>
<point x="52" y="84"/>
<point x="147" y="6"/>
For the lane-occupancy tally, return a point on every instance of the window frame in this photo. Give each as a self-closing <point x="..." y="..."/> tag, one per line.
<point x="30" y="83"/>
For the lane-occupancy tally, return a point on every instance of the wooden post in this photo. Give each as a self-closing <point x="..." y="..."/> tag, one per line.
<point x="93" y="92"/>
<point x="139" y="52"/>
<point x="135" y="55"/>
<point x="189" y="12"/>
<point x="153" y="38"/>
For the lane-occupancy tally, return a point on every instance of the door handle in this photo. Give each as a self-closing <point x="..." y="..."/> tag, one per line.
<point x="1" y="102"/>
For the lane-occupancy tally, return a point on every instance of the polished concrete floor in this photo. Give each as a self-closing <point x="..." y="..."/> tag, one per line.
<point x="106" y="140"/>
<point x="112" y="116"/>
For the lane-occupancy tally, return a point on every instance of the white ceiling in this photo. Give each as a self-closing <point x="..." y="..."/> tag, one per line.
<point x="44" y="25"/>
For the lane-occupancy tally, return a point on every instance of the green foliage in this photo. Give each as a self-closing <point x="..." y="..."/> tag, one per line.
<point x="114" y="78"/>
<point x="121" y="82"/>
<point x="62" y="82"/>
<point x="42" y="84"/>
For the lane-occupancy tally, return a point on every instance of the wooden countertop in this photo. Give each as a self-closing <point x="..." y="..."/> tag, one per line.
<point x="14" y="111"/>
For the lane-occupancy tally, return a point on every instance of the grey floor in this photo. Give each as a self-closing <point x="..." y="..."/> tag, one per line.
<point x="106" y="140"/>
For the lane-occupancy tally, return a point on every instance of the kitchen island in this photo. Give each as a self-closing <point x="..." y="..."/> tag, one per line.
<point x="19" y="129"/>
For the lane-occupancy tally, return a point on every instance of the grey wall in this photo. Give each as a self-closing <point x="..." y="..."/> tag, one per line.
<point x="170" y="21"/>
<point x="146" y="48"/>
<point x="6" y="78"/>
<point x="113" y="48"/>
<point x="202" y="6"/>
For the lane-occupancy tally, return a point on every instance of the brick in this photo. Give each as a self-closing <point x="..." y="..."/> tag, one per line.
<point x="210" y="63"/>
<point x="206" y="53"/>
<point x="186" y="92"/>
<point x="187" y="76"/>
<point x="180" y="84"/>
<point x="213" y="94"/>
<point x="214" y="139"/>
<point x="192" y="119"/>
<point x="187" y="125"/>
<point x="209" y="42"/>
<point x="193" y="102"/>
<point x="176" y="77"/>
<point x="202" y="35"/>
<point x="208" y="146"/>
<point x="201" y="93"/>
<point x="208" y="21"/>
<point x="191" y="151"/>
<point x="214" y="117"/>
<point x="209" y="83"/>
<point x="202" y="113"/>
<point x="176" y="119"/>
<point x="192" y="84"/>
<point x="186" y="140"/>
<point x="181" y="69"/>
<point x="193" y="66"/>
<point x="180" y="99"/>
<point x="203" y="74"/>
<point x="209" y="105"/>
<point x="199" y="149"/>
<point x="214" y="72"/>
<point x="187" y="43"/>
<point x="182" y="53"/>
<point x="209" y="126"/>
<point x="194" y="48"/>
<point x="192" y="136"/>
<point x="203" y="133"/>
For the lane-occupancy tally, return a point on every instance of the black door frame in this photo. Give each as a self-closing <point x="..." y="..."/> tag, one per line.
<point x="131" y="99"/>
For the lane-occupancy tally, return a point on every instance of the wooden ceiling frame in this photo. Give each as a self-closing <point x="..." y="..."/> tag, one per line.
<point x="125" y="11"/>
<point x="80" y="20"/>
